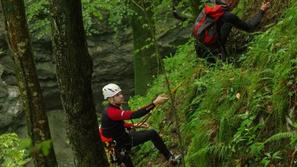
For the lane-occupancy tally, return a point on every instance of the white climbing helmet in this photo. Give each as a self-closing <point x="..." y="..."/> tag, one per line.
<point x="110" y="90"/>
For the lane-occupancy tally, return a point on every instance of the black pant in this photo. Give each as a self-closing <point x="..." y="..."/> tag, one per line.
<point x="210" y="53"/>
<point x="205" y="52"/>
<point x="139" y="137"/>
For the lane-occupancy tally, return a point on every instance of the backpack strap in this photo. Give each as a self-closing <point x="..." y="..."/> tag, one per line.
<point x="208" y="22"/>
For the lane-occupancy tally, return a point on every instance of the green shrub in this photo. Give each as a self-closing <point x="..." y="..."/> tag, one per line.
<point x="12" y="151"/>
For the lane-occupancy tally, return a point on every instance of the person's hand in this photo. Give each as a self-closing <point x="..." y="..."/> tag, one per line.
<point x="265" y="6"/>
<point x="160" y="99"/>
<point x="142" y="125"/>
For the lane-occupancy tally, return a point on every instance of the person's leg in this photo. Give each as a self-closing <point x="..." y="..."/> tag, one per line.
<point x="224" y="34"/>
<point x="123" y="158"/>
<point x="127" y="161"/>
<point x="198" y="50"/>
<point x="206" y="52"/>
<point x="140" y="137"/>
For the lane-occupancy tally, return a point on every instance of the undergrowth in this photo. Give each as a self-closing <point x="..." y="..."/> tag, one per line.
<point x="227" y="115"/>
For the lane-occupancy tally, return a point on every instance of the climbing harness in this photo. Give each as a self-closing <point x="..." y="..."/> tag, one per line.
<point x="109" y="146"/>
<point x="115" y="155"/>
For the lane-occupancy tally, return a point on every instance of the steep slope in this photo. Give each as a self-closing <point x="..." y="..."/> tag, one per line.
<point x="231" y="116"/>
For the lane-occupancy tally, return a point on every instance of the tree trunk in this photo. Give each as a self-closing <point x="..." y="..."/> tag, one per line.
<point x="74" y="72"/>
<point x="21" y="51"/>
<point x="145" y="56"/>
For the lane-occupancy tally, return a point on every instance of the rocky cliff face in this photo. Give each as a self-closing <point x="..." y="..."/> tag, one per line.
<point x="112" y="63"/>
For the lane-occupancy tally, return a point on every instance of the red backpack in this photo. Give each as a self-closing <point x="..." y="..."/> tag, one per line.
<point x="205" y="27"/>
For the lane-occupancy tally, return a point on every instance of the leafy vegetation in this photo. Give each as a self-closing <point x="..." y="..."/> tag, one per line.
<point x="243" y="115"/>
<point x="16" y="152"/>
<point x="228" y="114"/>
<point x="12" y="151"/>
<point x="93" y="11"/>
<point x="95" y="14"/>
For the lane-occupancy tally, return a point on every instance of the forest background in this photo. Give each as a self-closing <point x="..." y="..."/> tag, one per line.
<point x="239" y="113"/>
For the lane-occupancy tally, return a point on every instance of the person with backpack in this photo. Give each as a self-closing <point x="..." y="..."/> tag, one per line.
<point x="116" y="130"/>
<point x="213" y="25"/>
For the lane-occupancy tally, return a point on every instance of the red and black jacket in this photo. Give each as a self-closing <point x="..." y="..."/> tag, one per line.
<point x="113" y="125"/>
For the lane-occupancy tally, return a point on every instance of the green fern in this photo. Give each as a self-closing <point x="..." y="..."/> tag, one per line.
<point x="280" y="136"/>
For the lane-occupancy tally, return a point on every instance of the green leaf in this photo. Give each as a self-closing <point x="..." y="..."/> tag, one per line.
<point x="45" y="147"/>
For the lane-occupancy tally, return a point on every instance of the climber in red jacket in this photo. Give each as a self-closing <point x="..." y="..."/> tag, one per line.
<point x="114" y="127"/>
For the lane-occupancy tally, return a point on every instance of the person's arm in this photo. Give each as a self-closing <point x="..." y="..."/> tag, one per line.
<point x="143" y="111"/>
<point x="248" y="25"/>
<point x="117" y="114"/>
<point x="242" y="25"/>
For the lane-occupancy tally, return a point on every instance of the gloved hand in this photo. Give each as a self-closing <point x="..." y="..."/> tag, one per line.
<point x="265" y="5"/>
<point x="160" y="99"/>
